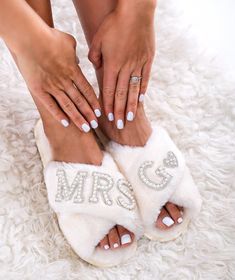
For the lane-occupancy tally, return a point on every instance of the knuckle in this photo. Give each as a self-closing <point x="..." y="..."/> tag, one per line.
<point x="121" y="92"/>
<point x="119" y="111"/>
<point x="108" y="91"/>
<point x="132" y="103"/>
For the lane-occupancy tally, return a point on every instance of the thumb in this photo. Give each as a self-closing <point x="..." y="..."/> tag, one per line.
<point x="95" y="54"/>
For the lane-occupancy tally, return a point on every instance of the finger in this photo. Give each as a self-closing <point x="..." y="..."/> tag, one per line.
<point x="114" y="238"/>
<point x="87" y="91"/>
<point x="120" y="100"/>
<point x="104" y="243"/>
<point x="50" y="104"/>
<point x="133" y="95"/>
<point x="95" y="55"/>
<point x="82" y="105"/>
<point x="164" y="221"/>
<point x="174" y="212"/>
<point x="145" y="80"/>
<point x="109" y="86"/>
<point x="70" y="109"/>
<point x="126" y="237"/>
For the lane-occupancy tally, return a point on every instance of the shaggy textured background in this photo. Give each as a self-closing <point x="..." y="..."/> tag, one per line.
<point x="192" y="98"/>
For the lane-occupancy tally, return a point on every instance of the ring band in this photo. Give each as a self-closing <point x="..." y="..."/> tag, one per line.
<point x="135" y="79"/>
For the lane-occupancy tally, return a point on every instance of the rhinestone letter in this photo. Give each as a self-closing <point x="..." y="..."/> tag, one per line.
<point x="161" y="172"/>
<point x="126" y="189"/>
<point x="101" y="183"/>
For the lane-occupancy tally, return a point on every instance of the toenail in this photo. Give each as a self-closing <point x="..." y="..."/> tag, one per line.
<point x="85" y="127"/>
<point x="115" y="245"/>
<point x="94" y="124"/>
<point x="97" y="113"/>
<point x="180" y="220"/>
<point x="125" y="239"/>
<point x="120" y="124"/>
<point x="130" y="116"/>
<point x="167" y="221"/>
<point x="141" y="98"/>
<point x="65" y="123"/>
<point x="110" y="117"/>
<point x="106" y="247"/>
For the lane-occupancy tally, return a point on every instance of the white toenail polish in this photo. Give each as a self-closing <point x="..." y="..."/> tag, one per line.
<point x="125" y="239"/>
<point x="110" y="117"/>
<point x="180" y="220"/>
<point x="94" y="124"/>
<point x="115" y="245"/>
<point x="130" y="116"/>
<point x="120" y="124"/>
<point x="65" y="123"/>
<point x="97" y="113"/>
<point x="167" y="221"/>
<point x="141" y="98"/>
<point x="106" y="247"/>
<point x="85" y="127"/>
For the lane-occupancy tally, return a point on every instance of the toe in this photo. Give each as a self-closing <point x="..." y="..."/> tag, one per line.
<point x="164" y="221"/>
<point x="126" y="237"/>
<point x="104" y="243"/>
<point x="113" y="237"/>
<point x="174" y="212"/>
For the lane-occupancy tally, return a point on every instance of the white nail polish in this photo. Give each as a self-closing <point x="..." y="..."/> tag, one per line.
<point x="167" y="221"/>
<point x="86" y="127"/>
<point x="141" y="98"/>
<point x="106" y="246"/>
<point x="180" y="220"/>
<point x="65" y="123"/>
<point x="94" y="124"/>
<point x="115" y="245"/>
<point x="110" y="117"/>
<point x="97" y="113"/>
<point x="130" y="116"/>
<point x="120" y="124"/>
<point x="125" y="239"/>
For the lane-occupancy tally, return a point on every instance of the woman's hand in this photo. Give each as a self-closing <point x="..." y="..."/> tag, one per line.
<point x="54" y="78"/>
<point x="124" y="46"/>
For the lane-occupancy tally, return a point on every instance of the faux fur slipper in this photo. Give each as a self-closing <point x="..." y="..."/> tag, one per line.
<point x="89" y="200"/>
<point x="158" y="174"/>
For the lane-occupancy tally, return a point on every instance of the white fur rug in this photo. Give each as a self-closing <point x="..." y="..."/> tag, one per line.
<point x="193" y="99"/>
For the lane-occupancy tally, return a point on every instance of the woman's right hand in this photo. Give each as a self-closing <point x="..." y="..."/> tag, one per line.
<point x="51" y="72"/>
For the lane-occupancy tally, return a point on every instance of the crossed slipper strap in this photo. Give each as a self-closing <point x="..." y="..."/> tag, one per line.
<point x="158" y="174"/>
<point x="99" y="194"/>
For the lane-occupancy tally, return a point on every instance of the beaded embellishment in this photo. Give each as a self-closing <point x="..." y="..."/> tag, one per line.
<point x="171" y="160"/>
<point x="126" y="189"/>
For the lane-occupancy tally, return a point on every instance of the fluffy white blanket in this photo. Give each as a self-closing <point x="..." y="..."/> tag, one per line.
<point x="193" y="99"/>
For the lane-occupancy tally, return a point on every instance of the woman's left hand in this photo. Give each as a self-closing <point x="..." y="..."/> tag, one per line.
<point x="124" y="46"/>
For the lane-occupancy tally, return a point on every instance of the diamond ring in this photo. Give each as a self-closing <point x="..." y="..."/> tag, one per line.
<point x="135" y="79"/>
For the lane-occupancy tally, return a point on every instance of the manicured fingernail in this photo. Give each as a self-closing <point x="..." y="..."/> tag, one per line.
<point x="115" y="245"/>
<point x="65" y="123"/>
<point x="130" y="116"/>
<point x="141" y="98"/>
<point x="180" y="220"/>
<point x="120" y="124"/>
<point x="125" y="239"/>
<point x="167" y="221"/>
<point x="86" y="127"/>
<point x="94" y="124"/>
<point x="110" y="117"/>
<point x="97" y="113"/>
<point x="106" y="247"/>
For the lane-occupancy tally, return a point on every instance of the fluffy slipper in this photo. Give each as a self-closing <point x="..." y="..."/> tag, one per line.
<point x="158" y="174"/>
<point x="89" y="200"/>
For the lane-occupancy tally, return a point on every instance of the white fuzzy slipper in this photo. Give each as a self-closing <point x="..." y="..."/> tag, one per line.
<point x="89" y="200"/>
<point x="158" y="174"/>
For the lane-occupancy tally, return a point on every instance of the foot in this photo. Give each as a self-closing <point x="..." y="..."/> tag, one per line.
<point x="71" y="145"/>
<point x="136" y="133"/>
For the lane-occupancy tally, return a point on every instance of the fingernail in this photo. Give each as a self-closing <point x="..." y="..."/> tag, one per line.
<point x="86" y="127"/>
<point x="65" y="123"/>
<point x="130" y="116"/>
<point x="94" y="124"/>
<point x="97" y="113"/>
<point x="125" y="239"/>
<point x="110" y="117"/>
<point x="120" y="124"/>
<point x="167" y="221"/>
<point x="106" y="247"/>
<point x="180" y="220"/>
<point x="115" y="245"/>
<point x="141" y="98"/>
